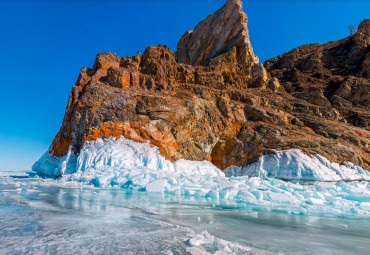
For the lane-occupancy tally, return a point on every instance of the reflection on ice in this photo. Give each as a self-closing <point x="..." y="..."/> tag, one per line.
<point x="41" y="216"/>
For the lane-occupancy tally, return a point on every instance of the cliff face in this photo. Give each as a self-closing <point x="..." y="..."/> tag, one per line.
<point x="212" y="100"/>
<point x="219" y="33"/>
<point x="334" y="75"/>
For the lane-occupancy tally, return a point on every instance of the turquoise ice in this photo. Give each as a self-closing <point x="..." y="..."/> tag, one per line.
<point x="316" y="185"/>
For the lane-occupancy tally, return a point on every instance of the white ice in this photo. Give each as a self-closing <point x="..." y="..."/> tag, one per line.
<point x="202" y="243"/>
<point x="293" y="164"/>
<point x="127" y="164"/>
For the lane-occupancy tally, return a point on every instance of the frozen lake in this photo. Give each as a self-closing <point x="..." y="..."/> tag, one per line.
<point x="39" y="216"/>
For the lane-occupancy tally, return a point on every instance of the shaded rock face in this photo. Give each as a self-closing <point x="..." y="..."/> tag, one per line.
<point x="213" y="101"/>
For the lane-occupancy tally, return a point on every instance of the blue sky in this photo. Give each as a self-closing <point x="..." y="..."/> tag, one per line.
<point x="43" y="45"/>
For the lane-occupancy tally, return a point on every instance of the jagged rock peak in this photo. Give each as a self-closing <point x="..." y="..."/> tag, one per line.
<point x="217" y="34"/>
<point x="363" y="32"/>
<point x="364" y="26"/>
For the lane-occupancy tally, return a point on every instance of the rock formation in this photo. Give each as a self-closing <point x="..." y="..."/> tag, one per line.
<point x="334" y="76"/>
<point x="212" y="100"/>
<point x="217" y="34"/>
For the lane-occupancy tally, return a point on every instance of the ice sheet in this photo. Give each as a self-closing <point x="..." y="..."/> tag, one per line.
<point x="41" y="216"/>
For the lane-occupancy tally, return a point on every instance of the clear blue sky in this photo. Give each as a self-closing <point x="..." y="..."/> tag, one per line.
<point x="43" y="45"/>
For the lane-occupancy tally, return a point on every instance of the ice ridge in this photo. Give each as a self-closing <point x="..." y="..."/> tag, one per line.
<point x="126" y="164"/>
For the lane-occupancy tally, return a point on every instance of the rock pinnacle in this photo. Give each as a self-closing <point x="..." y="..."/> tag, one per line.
<point x="217" y="34"/>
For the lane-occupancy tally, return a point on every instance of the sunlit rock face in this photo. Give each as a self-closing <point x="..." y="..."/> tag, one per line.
<point x="334" y="76"/>
<point x="217" y="34"/>
<point x="213" y="101"/>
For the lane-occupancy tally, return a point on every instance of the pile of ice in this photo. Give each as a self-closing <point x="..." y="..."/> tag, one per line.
<point x="126" y="164"/>
<point x="207" y="244"/>
<point x="293" y="164"/>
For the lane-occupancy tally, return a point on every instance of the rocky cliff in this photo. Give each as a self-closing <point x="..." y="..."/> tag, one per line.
<point x="212" y="100"/>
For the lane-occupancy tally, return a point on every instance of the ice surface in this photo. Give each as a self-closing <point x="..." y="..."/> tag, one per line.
<point x="200" y="243"/>
<point x="41" y="216"/>
<point x="126" y="164"/>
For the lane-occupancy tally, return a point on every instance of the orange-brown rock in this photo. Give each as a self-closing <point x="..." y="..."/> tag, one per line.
<point x="103" y="62"/>
<point x="217" y="34"/>
<point x="332" y="76"/>
<point x="213" y="101"/>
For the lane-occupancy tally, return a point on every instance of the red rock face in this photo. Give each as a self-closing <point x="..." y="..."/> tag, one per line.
<point x="210" y="102"/>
